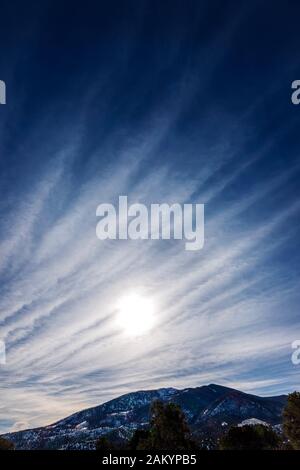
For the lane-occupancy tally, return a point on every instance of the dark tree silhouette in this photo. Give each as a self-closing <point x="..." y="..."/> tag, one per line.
<point x="168" y="430"/>
<point x="257" y="437"/>
<point x="103" y="443"/>
<point x="6" y="444"/>
<point x="139" y="439"/>
<point x="291" y="420"/>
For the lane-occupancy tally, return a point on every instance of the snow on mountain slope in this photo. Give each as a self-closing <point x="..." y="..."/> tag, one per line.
<point x="252" y="422"/>
<point x="206" y="409"/>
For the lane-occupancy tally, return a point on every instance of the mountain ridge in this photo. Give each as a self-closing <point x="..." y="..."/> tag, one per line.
<point x="206" y="408"/>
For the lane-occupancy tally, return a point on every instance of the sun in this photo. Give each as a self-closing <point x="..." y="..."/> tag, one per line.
<point x="136" y="314"/>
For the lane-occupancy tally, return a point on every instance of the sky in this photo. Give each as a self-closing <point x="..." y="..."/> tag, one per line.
<point x="165" y="102"/>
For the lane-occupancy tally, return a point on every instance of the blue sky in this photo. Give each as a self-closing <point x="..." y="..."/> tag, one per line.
<point x="164" y="102"/>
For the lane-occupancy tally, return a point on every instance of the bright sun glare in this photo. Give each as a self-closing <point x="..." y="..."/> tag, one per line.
<point x="135" y="314"/>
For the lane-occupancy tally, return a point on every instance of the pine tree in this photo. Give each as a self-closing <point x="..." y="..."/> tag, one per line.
<point x="257" y="437"/>
<point x="291" y="420"/>
<point x="6" y="444"/>
<point x="139" y="439"/>
<point x="104" y="444"/>
<point x="168" y="430"/>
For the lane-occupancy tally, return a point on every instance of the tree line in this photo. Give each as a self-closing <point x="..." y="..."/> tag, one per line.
<point x="168" y="430"/>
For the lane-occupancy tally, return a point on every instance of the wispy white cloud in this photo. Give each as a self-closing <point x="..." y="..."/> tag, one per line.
<point x="214" y="307"/>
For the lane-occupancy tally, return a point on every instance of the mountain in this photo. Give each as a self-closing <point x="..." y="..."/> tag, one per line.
<point x="208" y="409"/>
